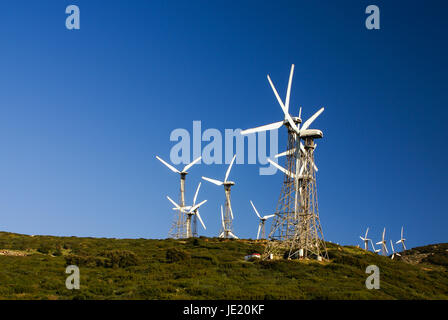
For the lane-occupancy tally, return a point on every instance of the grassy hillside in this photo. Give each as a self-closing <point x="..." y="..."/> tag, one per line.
<point x="206" y="268"/>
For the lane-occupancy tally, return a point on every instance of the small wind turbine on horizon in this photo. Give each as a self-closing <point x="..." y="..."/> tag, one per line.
<point x="383" y="243"/>
<point x="179" y="225"/>
<point x="402" y="240"/>
<point x="393" y="251"/>
<point x="261" y="225"/>
<point x="190" y="211"/>
<point x="228" y="216"/>
<point x="366" y="240"/>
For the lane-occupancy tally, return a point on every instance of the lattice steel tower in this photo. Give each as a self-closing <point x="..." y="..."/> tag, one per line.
<point x="296" y="230"/>
<point x="178" y="229"/>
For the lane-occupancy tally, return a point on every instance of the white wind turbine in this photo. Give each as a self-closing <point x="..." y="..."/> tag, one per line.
<point x="225" y="233"/>
<point x="261" y="225"/>
<point x="190" y="211"/>
<point x="293" y="125"/>
<point x="393" y="251"/>
<point x="228" y="216"/>
<point x="402" y="240"/>
<point x="366" y="240"/>
<point x="383" y="243"/>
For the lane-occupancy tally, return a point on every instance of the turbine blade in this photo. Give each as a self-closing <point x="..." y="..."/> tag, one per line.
<point x="289" y="152"/>
<point x="168" y="165"/>
<point x="174" y="203"/>
<point x="230" y="232"/>
<point x="269" y="216"/>
<point x="200" y="219"/>
<point x="302" y="148"/>
<point x="258" y="233"/>
<point x="311" y="119"/>
<point x="288" y="91"/>
<point x="188" y="166"/>
<point x="255" y="209"/>
<point x="267" y="127"/>
<point x="230" y="168"/>
<point x="301" y="169"/>
<point x="292" y="175"/>
<point x="222" y="220"/>
<point x="367" y="231"/>
<point x="217" y="182"/>
<point x="196" y="194"/>
<point x="287" y="116"/>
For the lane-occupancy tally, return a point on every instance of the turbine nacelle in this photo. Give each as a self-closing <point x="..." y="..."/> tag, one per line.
<point x="311" y="133"/>
<point x="296" y="121"/>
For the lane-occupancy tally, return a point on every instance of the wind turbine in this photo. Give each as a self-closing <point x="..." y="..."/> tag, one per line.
<point x="393" y="251"/>
<point x="190" y="211"/>
<point x="178" y="225"/>
<point x="366" y="240"/>
<point x="225" y="233"/>
<point x="228" y="216"/>
<point x="261" y="225"/>
<point x="402" y="240"/>
<point x="383" y="243"/>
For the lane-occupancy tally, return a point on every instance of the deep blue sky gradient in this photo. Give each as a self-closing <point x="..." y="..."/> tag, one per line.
<point x="83" y="113"/>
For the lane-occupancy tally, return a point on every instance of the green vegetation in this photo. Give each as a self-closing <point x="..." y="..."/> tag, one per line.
<point x="207" y="268"/>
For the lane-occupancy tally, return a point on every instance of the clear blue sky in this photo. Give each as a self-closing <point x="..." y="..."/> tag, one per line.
<point x="83" y="113"/>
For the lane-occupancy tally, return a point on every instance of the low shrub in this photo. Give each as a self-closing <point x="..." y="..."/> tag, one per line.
<point x="176" y="255"/>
